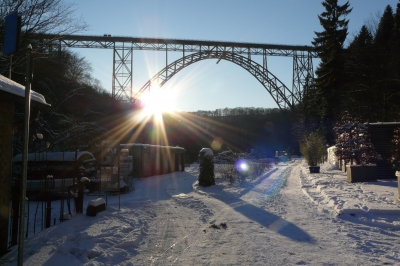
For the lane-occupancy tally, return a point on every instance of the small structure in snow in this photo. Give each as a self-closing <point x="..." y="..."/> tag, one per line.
<point x="95" y="206"/>
<point x="332" y="159"/>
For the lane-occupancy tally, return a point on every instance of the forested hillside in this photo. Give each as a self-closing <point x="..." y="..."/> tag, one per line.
<point x="265" y="131"/>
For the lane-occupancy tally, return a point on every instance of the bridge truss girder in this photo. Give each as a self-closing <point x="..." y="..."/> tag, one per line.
<point x="283" y="96"/>
<point x="124" y="46"/>
<point x="156" y="44"/>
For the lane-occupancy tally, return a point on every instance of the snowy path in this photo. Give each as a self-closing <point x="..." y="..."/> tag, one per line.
<point x="271" y="223"/>
<point x="284" y="217"/>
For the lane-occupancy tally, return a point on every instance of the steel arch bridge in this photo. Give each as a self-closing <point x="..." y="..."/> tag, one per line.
<point x="194" y="51"/>
<point x="279" y="92"/>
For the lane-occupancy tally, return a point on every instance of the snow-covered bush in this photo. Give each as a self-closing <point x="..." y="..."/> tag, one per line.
<point x="395" y="158"/>
<point x="226" y="157"/>
<point x="353" y="143"/>
<point x="227" y="171"/>
<point x="313" y="148"/>
<point x="241" y="170"/>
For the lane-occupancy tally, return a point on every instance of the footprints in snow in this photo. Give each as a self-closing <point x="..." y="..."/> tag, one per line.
<point x="195" y="204"/>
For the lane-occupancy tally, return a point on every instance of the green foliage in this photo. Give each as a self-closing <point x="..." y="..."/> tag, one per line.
<point x="206" y="168"/>
<point x="313" y="148"/>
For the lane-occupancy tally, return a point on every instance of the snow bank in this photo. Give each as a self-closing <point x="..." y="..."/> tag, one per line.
<point x="369" y="202"/>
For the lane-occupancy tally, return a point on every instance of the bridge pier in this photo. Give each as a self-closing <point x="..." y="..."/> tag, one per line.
<point x="122" y="72"/>
<point x="302" y="72"/>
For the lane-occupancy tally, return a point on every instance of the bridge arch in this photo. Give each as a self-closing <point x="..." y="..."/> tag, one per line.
<point x="281" y="94"/>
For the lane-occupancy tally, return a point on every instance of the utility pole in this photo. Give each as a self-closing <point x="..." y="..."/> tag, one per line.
<point x="25" y="156"/>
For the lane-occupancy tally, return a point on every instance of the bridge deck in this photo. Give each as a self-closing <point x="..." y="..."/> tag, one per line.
<point x="161" y="44"/>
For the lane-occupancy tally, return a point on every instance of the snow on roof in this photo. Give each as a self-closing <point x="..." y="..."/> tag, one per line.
<point x="15" y="88"/>
<point x="54" y="156"/>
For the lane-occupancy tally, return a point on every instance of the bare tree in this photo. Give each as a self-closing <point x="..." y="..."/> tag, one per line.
<point x="39" y="16"/>
<point x="372" y="22"/>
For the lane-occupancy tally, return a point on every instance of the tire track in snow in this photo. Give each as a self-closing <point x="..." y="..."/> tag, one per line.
<point x="266" y="191"/>
<point x="178" y="224"/>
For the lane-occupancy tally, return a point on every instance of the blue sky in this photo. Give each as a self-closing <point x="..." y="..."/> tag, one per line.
<point x="207" y="85"/>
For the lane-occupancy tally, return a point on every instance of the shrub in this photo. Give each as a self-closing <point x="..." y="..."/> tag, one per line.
<point x="227" y="171"/>
<point x="353" y="143"/>
<point x="233" y="174"/>
<point x="206" y="167"/>
<point x="313" y="148"/>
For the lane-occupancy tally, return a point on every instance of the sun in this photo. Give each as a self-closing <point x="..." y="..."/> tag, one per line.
<point x="158" y="101"/>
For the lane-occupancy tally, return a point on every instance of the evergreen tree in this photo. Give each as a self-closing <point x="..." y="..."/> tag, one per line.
<point x="385" y="29"/>
<point x="386" y="73"/>
<point x="362" y="41"/>
<point x="359" y="75"/>
<point x="396" y="53"/>
<point x="397" y="20"/>
<point x="329" y="45"/>
<point x="310" y="109"/>
<point x="373" y="70"/>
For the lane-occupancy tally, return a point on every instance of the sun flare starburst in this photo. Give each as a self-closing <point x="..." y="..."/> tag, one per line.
<point x="158" y="101"/>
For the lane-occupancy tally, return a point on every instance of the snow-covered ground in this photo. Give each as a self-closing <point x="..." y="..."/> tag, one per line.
<point x="284" y="217"/>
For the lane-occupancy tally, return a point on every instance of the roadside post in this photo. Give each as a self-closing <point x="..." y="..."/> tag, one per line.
<point x="49" y="186"/>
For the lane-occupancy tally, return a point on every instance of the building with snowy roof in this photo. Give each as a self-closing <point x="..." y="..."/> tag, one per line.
<point x="11" y="94"/>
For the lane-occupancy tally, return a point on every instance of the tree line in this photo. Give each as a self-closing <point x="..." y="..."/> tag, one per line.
<point x="264" y="134"/>
<point x="238" y="111"/>
<point x="362" y="78"/>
